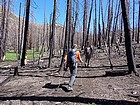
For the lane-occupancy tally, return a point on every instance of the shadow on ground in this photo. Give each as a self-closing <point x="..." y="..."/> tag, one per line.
<point x="71" y="99"/>
<point x="56" y="86"/>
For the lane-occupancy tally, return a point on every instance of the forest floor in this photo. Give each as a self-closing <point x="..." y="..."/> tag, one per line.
<point x="38" y="85"/>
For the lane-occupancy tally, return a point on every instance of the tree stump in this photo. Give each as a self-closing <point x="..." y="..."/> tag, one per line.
<point x="16" y="71"/>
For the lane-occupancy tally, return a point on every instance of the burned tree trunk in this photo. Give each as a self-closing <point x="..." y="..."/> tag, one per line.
<point x="2" y="29"/>
<point x="22" y="31"/>
<point x="87" y="38"/>
<point x="133" y="35"/>
<point x="70" y="24"/>
<point x="138" y="24"/>
<point x="6" y="30"/>
<point x="25" y="33"/>
<point x="103" y="33"/>
<point x="19" y="47"/>
<point x="121" y="33"/>
<point x="75" y="23"/>
<point x="99" y="27"/>
<point x="51" y="42"/>
<point x="113" y="38"/>
<point x="95" y="29"/>
<point x="66" y="35"/>
<point x="84" y="23"/>
<point x="128" y="45"/>
<point x="44" y="37"/>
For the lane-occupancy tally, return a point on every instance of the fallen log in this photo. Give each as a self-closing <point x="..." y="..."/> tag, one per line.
<point x="116" y="73"/>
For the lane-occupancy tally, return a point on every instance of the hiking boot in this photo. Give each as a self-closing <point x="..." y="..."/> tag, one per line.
<point x="70" y="88"/>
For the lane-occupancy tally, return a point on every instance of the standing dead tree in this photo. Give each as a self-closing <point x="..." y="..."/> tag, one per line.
<point x="95" y="27"/>
<point x="44" y="37"/>
<point x="106" y="38"/>
<point x="113" y="38"/>
<point x="84" y="23"/>
<point x="19" y="47"/>
<point x="138" y="24"/>
<point x="87" y="37"/>
<point x="70" y="24"/>
<point x="2" y="29"/>
<point x="103" y="24"/>
<point x="99" y="27"/>
<point x="51" y="41"/>
<point x="128" y="45"/>
<point x="133" y="35"/>
<point x="65" y="49"/>
<point x="74" y="22"/>
<point x="25" y="33"/>
<point x="6" y="30"/>
<point x="22" y="31"/>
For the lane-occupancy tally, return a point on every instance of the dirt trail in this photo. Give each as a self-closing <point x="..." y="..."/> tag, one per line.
<point x="43" y="86"/>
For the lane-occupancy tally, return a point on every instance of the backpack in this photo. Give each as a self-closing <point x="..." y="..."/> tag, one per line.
<point x="88" y="50"/>
<point x="71" y="56"/>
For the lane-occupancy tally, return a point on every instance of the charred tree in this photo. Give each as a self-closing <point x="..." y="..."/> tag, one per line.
<point x="70" y="24"/>
<point x="95" y="39"/>
<point x="25" y="33"/>
<point x="133" y="35"/>
<point x="2" y="29"/>
<point x="44" y="37"/>
<point x="109" y="24"/>
<point x="84" y="23"/>
<point x="51" y="41"/>
<point x="22" y="31"/>
<point x="103" y="31"/>
<point x="19" y="47"/>
<point x="138" y="24"/>
<point x="75" y="23"/>
<point x="113" y="38"/>
<point x="121" y="33"/>
<point x="87" y="37"/>
<point x="65" y="49"/>
<point x="99" y="27"/>
<point x="6" y="30"/>
<point x="128" y="45"/>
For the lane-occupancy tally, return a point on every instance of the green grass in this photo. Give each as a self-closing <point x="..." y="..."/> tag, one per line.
<point x="11" y="55"/>
<point x="94" y="104"/>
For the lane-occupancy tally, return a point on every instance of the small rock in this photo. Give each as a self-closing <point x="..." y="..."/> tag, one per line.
<point x="134" y="92"/>
<point x="56" y="103"/>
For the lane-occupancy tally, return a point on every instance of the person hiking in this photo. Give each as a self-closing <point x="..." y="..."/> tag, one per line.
<point x="72" y="58"/>
<point x="88" y="54"/>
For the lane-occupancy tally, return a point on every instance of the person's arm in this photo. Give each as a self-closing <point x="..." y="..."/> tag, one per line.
<point x="65" y="58"/>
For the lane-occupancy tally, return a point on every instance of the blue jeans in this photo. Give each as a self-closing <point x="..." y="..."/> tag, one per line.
<point x="73" y="72"/>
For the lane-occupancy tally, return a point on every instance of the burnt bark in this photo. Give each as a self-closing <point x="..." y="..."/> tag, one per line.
<point x="51" y="42"/>
<point x="87" y="38"/>
<point x="25" y="33"/>
<point x="128" y="44"/>
<point x="84" y="23"/>
<point x="138" y="25"/>
<point x="19" y="47"/>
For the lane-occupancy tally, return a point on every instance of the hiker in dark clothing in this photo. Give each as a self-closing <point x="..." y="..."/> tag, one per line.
<point x="72" y="59"/>
<point x="88" y="54"/>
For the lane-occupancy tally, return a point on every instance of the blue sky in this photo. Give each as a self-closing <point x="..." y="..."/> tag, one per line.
<point x="37" y="6"/>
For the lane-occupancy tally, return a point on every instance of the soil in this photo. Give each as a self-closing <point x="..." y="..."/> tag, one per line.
<point x="39" y="85"/>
